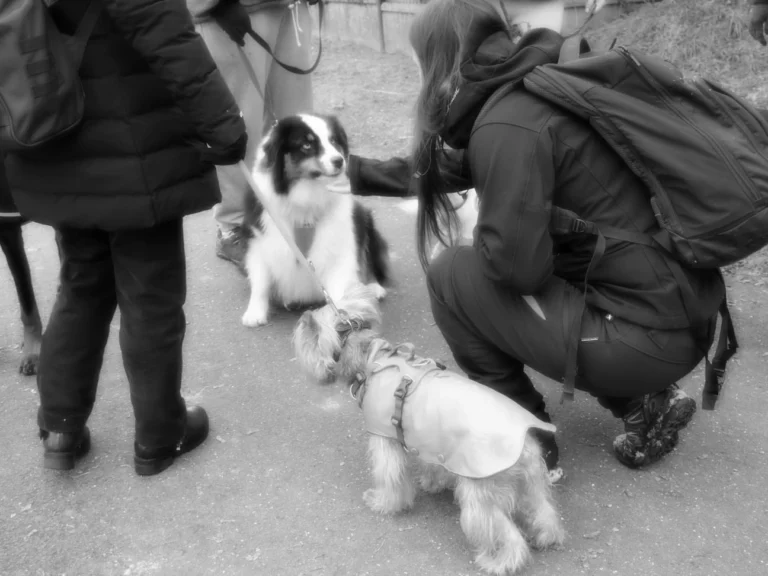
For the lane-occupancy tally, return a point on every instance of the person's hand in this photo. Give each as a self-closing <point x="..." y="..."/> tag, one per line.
<point x="233" y="19"/>
<point x="232" y="154"/>
<point x="758" y="16"/>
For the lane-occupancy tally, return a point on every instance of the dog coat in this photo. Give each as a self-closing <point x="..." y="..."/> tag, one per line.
<point x="443" y="418"/>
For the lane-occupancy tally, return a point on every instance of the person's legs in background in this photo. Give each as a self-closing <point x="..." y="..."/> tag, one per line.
<point x="289" y="33"/>
<point x="151" y="285"/>
<point x="73" y="345"/>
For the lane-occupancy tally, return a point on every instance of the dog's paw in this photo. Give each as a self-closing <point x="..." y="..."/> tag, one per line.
<point x="509" y="558"/>
<point x="378" y="290"/>
<point x="384" y="503"/>
<point x="552" y="536"/>
<point x="254" y="317"/>
<point x="31" y="350"/>
<point x="555" y="475"/>
<point x="28" y="365"/>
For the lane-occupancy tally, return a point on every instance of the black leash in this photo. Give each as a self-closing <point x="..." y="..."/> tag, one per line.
<point x="263" y="43"/>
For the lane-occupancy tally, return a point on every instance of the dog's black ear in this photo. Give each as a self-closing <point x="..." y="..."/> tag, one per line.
<point x="274" y="157"/>
<point x="339" y="134"/>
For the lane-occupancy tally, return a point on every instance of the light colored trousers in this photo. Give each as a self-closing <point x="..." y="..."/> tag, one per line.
<point x="289" y="34"/>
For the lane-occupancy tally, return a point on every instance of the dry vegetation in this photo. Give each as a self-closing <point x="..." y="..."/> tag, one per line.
<point x="702" y="37"/>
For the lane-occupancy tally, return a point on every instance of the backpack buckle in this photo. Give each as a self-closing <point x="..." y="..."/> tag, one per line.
<point x="578" y="226"/>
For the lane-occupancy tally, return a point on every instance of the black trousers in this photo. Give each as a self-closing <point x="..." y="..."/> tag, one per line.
<point x="144" y="273"/>
<point x="493" y="334"/>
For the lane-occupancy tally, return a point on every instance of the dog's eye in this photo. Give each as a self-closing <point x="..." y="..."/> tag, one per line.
<point x="332" y="140"/>
<point x="306" y="147"/>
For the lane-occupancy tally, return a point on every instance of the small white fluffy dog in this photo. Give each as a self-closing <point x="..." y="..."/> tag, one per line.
<point x="300" y="168"/>
<point x="466" y="436"/>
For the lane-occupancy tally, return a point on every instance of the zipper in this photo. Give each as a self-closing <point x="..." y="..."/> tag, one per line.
<point x="724" y="227"/>
<point x="666" y="98"/>
<point x="704" y="91"/>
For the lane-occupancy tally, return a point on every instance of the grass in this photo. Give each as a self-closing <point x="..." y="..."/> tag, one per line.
<point x="702" y="37"/>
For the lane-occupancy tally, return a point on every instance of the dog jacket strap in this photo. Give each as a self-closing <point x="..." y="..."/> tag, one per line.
<point x="397" y="418"/>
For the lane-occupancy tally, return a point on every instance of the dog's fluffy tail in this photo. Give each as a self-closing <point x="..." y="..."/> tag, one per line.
<point x="374" y="250"/>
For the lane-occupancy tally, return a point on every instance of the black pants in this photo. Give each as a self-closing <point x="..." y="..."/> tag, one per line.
<point x="494" y="334"/>
<point x="144" y="273"/>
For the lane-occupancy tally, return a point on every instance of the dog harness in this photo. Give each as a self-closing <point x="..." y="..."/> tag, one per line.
<point x="440" y="416"/>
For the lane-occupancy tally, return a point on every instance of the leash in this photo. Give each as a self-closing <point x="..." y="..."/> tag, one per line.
<point x="264" y="44"/>
<point x="285" y="233"/>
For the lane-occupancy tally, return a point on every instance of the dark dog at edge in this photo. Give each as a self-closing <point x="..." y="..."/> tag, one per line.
<point x="12" y="243"/>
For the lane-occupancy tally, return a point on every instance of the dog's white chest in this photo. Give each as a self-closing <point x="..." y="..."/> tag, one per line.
<point x="449" y="420"/>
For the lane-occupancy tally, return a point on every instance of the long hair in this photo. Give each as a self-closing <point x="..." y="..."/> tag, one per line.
<point x="439" y="36"/>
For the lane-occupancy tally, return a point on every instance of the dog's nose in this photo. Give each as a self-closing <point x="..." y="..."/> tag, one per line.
<point x="337" y="162"/>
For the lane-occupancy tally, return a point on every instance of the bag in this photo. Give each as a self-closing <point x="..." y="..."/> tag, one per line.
<point x="701" y="151"/>
<point x="41" y="97"/>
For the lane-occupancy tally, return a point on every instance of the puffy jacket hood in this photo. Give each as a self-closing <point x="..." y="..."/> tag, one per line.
<point x="496" y="61"/>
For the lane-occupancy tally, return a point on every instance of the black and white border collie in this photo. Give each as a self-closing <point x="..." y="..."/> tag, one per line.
<point x="300" y="168"/>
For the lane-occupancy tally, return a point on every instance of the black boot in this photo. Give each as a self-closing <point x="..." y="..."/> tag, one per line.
<point x="63" y="448"/>
<point x="151" y="461"/>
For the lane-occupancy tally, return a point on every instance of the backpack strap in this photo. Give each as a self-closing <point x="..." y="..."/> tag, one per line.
<point x="572" y="48"/>
<point x="566" y="222"/>
<point x="84" y="31"/>
<point x="714" y="372"/>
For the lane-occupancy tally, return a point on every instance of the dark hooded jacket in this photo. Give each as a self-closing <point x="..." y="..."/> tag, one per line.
<point x="151" y="88"/>
<point x="526" y="155"/>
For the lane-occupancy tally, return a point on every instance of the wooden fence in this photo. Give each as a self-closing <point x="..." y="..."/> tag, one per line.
<point x="383" y="24"/>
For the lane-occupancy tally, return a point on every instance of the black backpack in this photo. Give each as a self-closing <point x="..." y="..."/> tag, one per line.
<point x="40" y="93"/>
<point x="701" y="151"/>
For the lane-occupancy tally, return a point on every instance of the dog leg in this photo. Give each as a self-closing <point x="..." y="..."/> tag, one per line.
<point x="536" y="507"/>
<point x="12" y="243"/>
<point x="500" y="546"/>
<point x="378" y="290"/>
<point x="435" y="479"/>
<point x="340" y="281"/>
<point x="393" y="490"/>
<point x="258" y="276"/>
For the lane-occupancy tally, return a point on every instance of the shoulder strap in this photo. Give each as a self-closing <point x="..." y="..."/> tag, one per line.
<point x="263" y="43"/>
<point x="494" y="98"/>
<point x="84" y="30"/>
<point x="572" y="48"/>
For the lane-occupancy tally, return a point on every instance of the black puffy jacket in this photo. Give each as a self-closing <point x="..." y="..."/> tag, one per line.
<point x="151" y="86"/>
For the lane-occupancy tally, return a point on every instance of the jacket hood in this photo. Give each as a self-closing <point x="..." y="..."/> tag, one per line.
<point x="496" y="61"/>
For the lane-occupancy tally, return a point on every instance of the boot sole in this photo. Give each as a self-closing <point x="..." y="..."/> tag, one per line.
<point x="66" y="460"/>
<point x="150" y="467"/>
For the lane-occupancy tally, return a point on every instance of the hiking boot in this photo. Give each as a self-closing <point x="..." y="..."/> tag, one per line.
<point x="232" y="246"/>
<point x="151" y="461"/>
<point x="651" y="426"/>
<point x="61" y="449"/>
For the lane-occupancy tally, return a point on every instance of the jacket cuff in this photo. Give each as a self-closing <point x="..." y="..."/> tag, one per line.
<point x="369" y="177"/>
